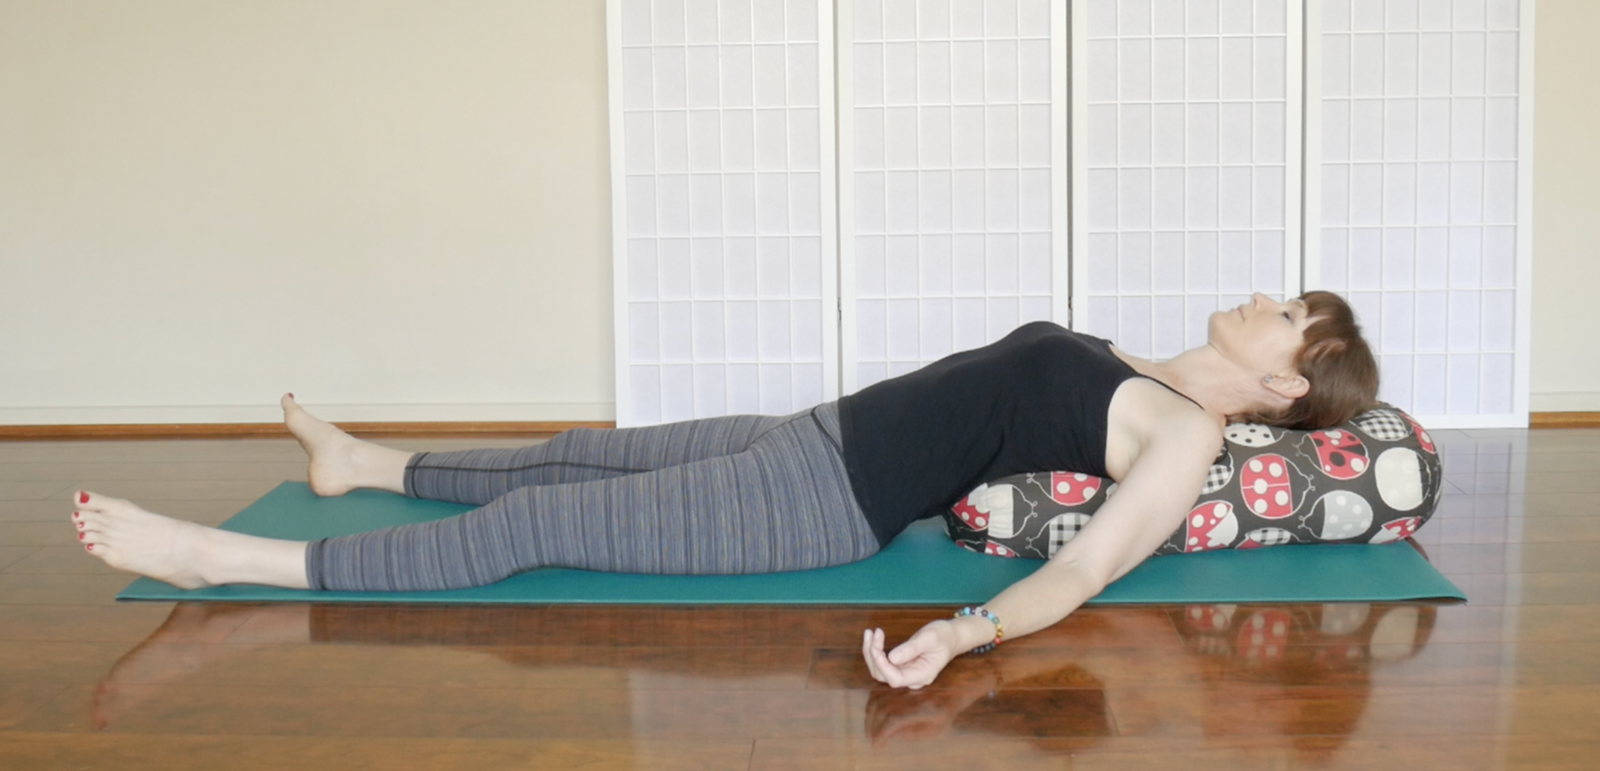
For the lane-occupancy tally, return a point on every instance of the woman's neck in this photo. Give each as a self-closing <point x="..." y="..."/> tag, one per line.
<point x="1203" y="374"/>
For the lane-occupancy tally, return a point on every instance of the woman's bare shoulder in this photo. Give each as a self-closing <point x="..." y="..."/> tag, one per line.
<point x="1142" y="401"/>
<point x="1145" y="413"/>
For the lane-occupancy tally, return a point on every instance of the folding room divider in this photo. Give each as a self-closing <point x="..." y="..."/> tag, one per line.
<point x="810" y="195"/>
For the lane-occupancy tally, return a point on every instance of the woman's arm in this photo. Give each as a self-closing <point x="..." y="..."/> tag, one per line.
<point x="1151" y="501"/>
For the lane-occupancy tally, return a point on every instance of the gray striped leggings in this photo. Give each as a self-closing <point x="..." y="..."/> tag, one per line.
<point x="745" y="494"/>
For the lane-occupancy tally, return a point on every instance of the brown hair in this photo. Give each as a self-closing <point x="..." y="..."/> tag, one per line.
<point x="1338" y="364"/>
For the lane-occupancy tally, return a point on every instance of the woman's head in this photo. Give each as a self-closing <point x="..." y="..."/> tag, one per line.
<point x="1337" y="362"/>
<point x="1310" y="353"/>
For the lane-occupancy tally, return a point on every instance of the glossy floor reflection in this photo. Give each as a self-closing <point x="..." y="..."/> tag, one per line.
<point x="1509" y="680"/>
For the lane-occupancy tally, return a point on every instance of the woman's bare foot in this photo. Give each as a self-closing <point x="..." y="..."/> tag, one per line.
<point x="183" y="554"/>
<point x="340" y="462"/>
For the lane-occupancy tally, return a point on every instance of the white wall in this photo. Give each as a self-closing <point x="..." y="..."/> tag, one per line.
<point x="1566" y="222"/>
<point x="399" y="209"/>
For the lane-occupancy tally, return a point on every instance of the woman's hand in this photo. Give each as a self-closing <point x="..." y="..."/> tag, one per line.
<point x="917" y="661"/>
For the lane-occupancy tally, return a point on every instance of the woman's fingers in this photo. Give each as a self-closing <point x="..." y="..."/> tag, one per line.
<point x="888" y="673"/>
<point x="866" y="653"/>
<point x="893" y="674"/>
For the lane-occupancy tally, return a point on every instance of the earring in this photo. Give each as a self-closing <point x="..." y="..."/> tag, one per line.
<point x="1266" y="380"/>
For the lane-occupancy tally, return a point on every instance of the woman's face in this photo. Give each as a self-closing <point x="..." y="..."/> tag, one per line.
<point x="1262" y="335"/>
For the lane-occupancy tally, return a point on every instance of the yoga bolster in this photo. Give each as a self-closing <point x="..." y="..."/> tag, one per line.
<point x="1374" y="479"/>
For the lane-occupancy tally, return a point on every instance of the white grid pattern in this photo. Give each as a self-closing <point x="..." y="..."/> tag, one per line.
<point x="726" y="207"/>
<point x="1191" y="188"/>
<point x="952" y="177"/>
<point x="1420" y="185"/>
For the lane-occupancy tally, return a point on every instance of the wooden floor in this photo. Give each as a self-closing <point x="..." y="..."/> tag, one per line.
<point x="1509" y="680"/>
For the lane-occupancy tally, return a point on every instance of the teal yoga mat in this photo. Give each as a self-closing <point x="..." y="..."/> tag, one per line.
<point x="921" y="567"/>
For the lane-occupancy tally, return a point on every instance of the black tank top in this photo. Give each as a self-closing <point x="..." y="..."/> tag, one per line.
<point x="1036" y="400"/>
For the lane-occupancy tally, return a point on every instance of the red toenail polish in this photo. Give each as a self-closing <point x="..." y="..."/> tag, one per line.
<point x="80" y="536"/>
<point x="90" y="547"/>
<point x="80" y="525"/>
<point x="83" y="497"/>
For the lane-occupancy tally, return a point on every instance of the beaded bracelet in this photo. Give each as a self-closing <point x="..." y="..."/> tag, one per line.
<point x="999" y="631"/>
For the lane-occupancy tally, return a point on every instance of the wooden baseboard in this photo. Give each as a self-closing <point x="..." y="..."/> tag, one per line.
<point x="274" y="430"/>
<point x="1564" y="420"/>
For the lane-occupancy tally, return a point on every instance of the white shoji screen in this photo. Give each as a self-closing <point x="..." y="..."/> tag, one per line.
<point x="1421" y="139"/>
<point x="724" y="224"/>
<point x="953" y="177"/>
<point x="1187" y="118"/>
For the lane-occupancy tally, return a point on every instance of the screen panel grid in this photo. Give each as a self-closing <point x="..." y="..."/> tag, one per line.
<point x="951" y="172"/>
<point x="1419" y="193"/>
<point x="727" y="252"/>
<point x="1190" y="195"/>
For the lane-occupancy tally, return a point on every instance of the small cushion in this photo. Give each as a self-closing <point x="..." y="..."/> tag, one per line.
<point x="1374" y="479"/>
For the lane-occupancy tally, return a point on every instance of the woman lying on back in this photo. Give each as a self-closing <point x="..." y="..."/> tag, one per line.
<point x="826" y="486"/>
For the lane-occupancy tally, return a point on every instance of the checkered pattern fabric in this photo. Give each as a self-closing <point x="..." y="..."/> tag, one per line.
<point x="1220" y="474"/>
<point x="1383" y="425"/>
<point x="1271" y="536"/>
<point x="1063" y="528"/>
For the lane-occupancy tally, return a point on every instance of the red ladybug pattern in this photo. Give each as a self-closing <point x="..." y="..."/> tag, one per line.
<point x="1073" y="489"/>
<point x="970" y="516"/>
<point x="1421" y="433"/>
<point x="1340" y="454"/>
<point x="1397" y="530"/>
<point x="1266" y="485"/>
<point x="1211" y="525"/>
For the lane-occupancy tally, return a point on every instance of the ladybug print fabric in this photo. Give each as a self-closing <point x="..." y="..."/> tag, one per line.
<point x="1374" y="479"/>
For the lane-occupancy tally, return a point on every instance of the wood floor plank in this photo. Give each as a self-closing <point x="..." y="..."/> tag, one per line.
<point x="31" y="490"/>
<point x="60" y="560"/>
<point x="1539" y="505"/>
<point x="1254" y="709"/>
<point x="1542" y="557"/>
<point x="1558" y="440"/>
<point x="1525" y="623"/>
<point x="127" y="623"/>
<point x="1558" y="530"/>
<point x="1529" y="588"/>
<point x="1562" y="462"/>
<point x="19" y="700"/>
<point x="206" y="512"/>
<point x="71" y="589"/>
<point x="1267" y="753"/>
<point x="236" y="664"/>
<point x="910" y="751"/>
<point x="58" y="661"/>
<point x="314" y="710"/>
<point x="1526" y="506"/>
<point x="59" y="532"/>
<point x="133" y="752"/>
<point x="11" y="555"/>
<point x="141" y="490"/>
